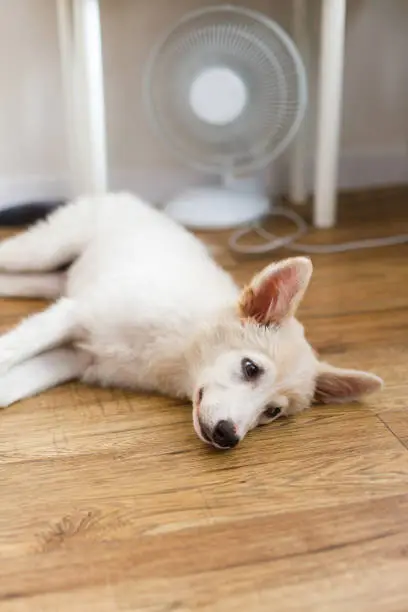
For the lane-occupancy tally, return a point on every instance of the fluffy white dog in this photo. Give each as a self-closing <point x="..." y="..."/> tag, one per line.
<point x="144" y="306"/>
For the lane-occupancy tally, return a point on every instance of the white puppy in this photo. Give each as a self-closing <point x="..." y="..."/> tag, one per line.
<point x="144" y="306"/>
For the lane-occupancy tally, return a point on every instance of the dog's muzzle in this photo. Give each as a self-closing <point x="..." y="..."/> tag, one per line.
<point x="223" y="435"/>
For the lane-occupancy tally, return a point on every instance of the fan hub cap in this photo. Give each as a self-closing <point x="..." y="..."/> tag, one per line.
<point x="218" y="95"/>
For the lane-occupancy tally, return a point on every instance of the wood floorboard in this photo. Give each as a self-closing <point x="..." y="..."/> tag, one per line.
<point x="109" y="502"/>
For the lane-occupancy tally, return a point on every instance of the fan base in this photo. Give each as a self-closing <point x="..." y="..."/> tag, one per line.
<point x="217" y="209"/>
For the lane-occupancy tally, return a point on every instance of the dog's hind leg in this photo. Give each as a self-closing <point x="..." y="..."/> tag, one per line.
<point x="49" y="286"/>
<point x="53" y="243"/>
<point x="40" y="373"/>
<point x="55" y="326"/>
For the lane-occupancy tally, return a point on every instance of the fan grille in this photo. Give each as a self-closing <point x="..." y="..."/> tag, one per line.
<point x="266" y="60"/>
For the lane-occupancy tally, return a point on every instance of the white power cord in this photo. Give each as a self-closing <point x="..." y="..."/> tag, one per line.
<point x="273" y="242"/>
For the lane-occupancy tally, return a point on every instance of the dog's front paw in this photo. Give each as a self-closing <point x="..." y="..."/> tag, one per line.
<point x="7" y="395"/>
<point x="12" y="384"/>
<point x="6" y="363"/>
<point x="5" y="403"/>
<point x="9" y="356"/>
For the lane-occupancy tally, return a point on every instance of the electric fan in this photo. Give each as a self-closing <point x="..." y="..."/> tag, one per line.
<point x="226" y="90"/>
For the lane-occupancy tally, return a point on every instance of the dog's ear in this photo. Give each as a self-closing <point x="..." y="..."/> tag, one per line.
<point x="275" y="293"/>
<point x="335" y="385"/>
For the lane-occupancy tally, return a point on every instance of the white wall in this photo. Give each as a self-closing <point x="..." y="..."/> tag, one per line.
<point x="33" y="159"/>
<point x="32" y="147"/>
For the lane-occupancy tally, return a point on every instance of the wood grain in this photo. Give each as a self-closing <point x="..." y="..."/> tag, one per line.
<point x="110" y="503"/>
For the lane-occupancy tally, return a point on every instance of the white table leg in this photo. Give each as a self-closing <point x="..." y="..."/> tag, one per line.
<point x="82" y="72"/>
<point x="297" y="168"/>
<point x="66" y="46"/>
<point x="329" y="111"/>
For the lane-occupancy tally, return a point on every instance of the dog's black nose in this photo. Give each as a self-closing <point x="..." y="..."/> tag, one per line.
<point x="224" y="434"/>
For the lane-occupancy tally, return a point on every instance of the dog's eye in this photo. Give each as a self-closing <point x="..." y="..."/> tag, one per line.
<point x="250" y="370"/>
<point x="272" y="412"/>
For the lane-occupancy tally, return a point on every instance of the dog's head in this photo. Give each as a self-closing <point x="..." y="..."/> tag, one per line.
<point x="258" y="365"/>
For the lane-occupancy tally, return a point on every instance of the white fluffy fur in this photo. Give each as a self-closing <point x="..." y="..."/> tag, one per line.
<point x="144" y="306"/>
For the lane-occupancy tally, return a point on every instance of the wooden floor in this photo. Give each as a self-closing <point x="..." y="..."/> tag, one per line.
<point x="110" y="502"/>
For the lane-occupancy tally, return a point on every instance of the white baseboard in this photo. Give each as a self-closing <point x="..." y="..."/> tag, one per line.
<point x="356" y="171"/>
<point x="156" y="185"/>
<point x="360" y="170"/>
<point x="31" y="188"/>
